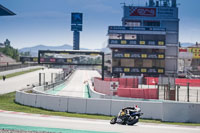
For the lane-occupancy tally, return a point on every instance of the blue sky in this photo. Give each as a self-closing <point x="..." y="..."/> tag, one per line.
<point x="47" y="22"/>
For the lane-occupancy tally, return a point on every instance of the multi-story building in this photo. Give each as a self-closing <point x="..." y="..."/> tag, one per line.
<point x="195" y="50"/>
<point x="147" y="41"/>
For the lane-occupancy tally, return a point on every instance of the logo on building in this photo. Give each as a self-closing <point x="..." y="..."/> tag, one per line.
<point x="138" y="11"/>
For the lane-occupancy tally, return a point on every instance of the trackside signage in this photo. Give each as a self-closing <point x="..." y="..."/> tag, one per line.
<point x="114" y="86"/>
<point x="139" y="11"/>
<point x="152" y="12"/>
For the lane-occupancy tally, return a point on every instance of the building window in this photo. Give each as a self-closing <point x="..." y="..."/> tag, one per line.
<point x="152" y="23"/>
<point x="160" y="43"/>
<point x="151" y="43"/>
<point x="123" y="42"/>
<point x="130" y="37"/>
<point x="133" y="23"/>
<point x="115" y="36"/>
<point x="142" y="42"/>
<point x="132" y="42"/>
<point x="151" y="37"/>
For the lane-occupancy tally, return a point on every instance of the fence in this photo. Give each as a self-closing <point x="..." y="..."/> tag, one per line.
<point x="184" y="90"/>
<point x="16" y="66"/>
<point x="59" y="79"/>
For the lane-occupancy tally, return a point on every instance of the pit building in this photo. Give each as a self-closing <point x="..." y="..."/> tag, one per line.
<point x="147" y="43"/>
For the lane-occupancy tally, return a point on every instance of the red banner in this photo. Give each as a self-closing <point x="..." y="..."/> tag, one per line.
<point x="139" y="11"/>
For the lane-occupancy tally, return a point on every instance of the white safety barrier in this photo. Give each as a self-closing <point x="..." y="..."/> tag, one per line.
<point x="181" y="112"/>
<point x="165" y="111"/>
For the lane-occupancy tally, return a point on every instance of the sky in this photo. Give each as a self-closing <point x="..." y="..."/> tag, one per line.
<point x="48" y="22"/>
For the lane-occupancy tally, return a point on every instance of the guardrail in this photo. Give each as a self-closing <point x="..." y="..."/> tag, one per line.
<point x="42" y="89"/>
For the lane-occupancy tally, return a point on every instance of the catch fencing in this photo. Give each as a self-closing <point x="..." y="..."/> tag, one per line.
<point x="16" y="66"/>
<point x="184" y="90"/>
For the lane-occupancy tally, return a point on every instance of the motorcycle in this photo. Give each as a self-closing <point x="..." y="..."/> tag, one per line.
<point x="128" y="115"/>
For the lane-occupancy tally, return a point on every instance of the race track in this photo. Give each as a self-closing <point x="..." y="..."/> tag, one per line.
<point x="75" y="86"/>
<point x="14" y="118"/>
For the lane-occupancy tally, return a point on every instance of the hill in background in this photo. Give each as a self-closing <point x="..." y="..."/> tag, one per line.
<point x="34" y="50"/>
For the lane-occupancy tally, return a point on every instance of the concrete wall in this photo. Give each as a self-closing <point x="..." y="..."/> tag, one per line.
<point x="98" y="106"/>
<point x="165" y="111"/>
<point x="181" y="112"/>
<point x="95" y="94"/>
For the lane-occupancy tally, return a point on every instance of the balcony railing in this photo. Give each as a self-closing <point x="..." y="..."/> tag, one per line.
<point x="136" y="42"/>
<point x="136" y="28"/>
<point x="134" y="70"/>
<point x="131" y="55"/>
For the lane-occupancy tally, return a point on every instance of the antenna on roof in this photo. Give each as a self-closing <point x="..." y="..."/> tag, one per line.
<point x="132" y="3"/>
<point x="124" y="4"/>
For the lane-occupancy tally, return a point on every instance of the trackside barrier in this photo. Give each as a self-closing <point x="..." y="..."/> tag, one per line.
<point x="181" y="112"/>
<point x="151" y="81"/>
<point x="102" y="86"/>
<point x="178" y="81"/>
<point x="165" y="111"/>
<point x="138" y="93"/>
<point x="192" y="82"/>
<point x="123" y="90"/>
<point x="125" y="82"/>
<point x="95" y="94"/>
<point x="103" y="106"/>
<point x="77" y="105"/>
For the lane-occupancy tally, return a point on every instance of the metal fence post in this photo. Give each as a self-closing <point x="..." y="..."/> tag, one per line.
<point x="44" y="78"/>
<point x="164" y="92"/>
<point x="188" y="92"/>
<point x="39" y="79"/>
<point x="51" y="77"/>
<point x="158" y="86"/>
<point x="197" y="96"/>
<point x="178" y="87"/>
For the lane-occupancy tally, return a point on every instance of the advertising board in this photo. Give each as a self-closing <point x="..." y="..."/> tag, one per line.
<point x="141" y="11"/>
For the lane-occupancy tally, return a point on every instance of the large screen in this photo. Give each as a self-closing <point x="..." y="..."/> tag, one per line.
<point x="71" y="57"/>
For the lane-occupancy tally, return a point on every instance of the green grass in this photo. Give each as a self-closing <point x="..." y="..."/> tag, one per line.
<point x="19" y="73"/>
<point x="7" y="103"/>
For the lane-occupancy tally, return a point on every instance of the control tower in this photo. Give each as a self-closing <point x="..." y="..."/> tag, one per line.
<point x="147" y="41"/>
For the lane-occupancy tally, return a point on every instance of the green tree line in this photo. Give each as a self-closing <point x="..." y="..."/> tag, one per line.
<point x="10" y="51"/>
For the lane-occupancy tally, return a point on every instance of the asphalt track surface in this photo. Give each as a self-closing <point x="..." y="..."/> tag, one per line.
<point x="75" y="86"/>
<point x="21" y="81"/>
<point x="78" y="125"/>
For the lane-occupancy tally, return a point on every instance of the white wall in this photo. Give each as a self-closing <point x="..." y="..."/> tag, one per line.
<point x="165" y="111"/>
<point x="181" y="112"/>
<point x="63" y="104"/>
<point x="98" y="106"/>
<point x="77" y="105"/>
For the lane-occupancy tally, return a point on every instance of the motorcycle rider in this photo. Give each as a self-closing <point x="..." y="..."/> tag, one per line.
<point x="125" y="111"/>
<point x="128" y="115"/>
<point x="122" y="112"/>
